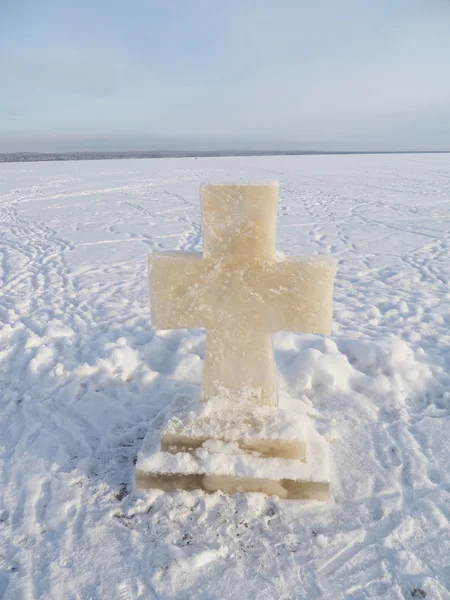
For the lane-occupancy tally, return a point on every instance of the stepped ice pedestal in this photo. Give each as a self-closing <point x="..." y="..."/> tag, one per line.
<point x="234" y="437"/>
<point x="229" y="446"/>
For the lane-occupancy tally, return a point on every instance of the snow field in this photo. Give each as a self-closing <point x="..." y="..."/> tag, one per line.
<point x="83" y="376"/>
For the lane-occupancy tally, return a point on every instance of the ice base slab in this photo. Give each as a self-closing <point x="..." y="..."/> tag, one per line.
<point x="227" y="468"/>
<point x="266" y="431"/>
<point x="283" y="488"/>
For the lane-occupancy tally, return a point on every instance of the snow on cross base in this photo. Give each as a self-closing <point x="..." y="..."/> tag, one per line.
<point x="240" y="293"/>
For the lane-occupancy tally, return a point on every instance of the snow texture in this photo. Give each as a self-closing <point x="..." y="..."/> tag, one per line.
<point x="222" y="458"/>
<point x="227" y="418"/>
<point x="83" y="376"/>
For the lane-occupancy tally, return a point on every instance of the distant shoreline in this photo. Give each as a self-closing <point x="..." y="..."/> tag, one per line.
<point x="9" y="157"/>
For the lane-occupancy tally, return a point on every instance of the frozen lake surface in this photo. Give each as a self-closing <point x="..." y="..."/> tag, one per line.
<point x="83" y="376"/>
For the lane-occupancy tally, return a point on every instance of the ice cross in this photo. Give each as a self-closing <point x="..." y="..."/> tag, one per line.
<point x="239" y="291"/>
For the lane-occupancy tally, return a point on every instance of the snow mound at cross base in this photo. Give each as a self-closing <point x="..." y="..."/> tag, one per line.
<point x="221" y="458"/>
<point x="229" y="418"/>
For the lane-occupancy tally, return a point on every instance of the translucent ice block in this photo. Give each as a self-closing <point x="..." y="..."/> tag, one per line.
<point x="239" y="292"/>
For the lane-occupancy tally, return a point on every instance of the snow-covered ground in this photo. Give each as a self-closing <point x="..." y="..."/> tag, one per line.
<point x="83" y="375"/>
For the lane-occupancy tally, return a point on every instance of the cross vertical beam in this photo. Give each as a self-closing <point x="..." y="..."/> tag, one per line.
<point x="239" y="292"/>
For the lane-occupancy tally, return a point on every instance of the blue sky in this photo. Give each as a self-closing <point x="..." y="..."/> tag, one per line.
<point x="141" y="74"/>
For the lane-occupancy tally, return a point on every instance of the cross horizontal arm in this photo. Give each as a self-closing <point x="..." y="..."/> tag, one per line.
<point x="174" y="289"/>
<point x="298" y="294"/>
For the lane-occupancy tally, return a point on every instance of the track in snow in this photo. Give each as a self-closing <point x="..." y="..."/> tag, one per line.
<point x="82" y="376"/>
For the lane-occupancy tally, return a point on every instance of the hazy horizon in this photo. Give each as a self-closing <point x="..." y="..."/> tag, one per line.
<point x="219" y="150"/>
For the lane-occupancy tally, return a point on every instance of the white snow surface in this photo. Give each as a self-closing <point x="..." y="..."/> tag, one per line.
<point x="216" y="457"/>
<point x="232" y="418"/>
<point x="83" y="376"/>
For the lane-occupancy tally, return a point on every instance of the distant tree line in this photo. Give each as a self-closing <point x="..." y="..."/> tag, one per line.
<point x="45" y="156"/>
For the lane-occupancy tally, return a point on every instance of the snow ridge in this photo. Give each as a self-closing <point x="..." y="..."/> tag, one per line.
<point x="83" y="376"/>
